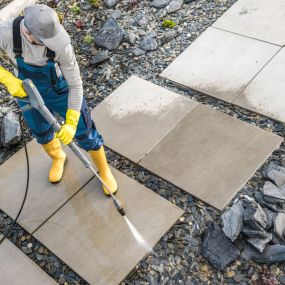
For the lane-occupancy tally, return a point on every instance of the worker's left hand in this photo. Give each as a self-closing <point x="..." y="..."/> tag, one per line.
<point x="68" y="130"/>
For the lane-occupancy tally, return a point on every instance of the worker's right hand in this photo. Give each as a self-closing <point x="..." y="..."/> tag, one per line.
<point x="12" y="83"/>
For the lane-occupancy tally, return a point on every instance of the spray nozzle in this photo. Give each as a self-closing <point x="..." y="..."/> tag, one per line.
<point x="119" y="207"/>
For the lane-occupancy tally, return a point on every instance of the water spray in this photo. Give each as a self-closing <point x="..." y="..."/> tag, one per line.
<point x="35" y="101"/>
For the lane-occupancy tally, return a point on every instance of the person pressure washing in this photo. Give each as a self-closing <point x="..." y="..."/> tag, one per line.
<point x="40" y="49"/>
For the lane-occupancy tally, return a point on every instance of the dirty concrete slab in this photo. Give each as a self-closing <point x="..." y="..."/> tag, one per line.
<point x="260" y="19"/>
<point x="91" y="237"/>
<point x="220" y="63"/>
<point x="211" y="155"/>
<point x="137" y="115"/>
<point x="14" y="8"/>
<point x="265" y="94"/>
<point x="43" y="198"/>
<point x="16" y="268"/>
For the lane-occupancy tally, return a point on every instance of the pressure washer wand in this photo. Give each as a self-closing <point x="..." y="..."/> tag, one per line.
<point x="36" y="102"/>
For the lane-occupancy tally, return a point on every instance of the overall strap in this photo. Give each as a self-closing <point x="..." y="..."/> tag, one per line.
<point x="17" y="39"/>
<point x="50" y="54"/>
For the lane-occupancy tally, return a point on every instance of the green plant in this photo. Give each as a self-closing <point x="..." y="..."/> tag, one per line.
<point x="75" y="9"/>
<point x="168" y="24"/>
<point x="88" y="39"/>
<point x="95" y="3"/>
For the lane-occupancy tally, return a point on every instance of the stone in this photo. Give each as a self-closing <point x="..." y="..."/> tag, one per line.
<point x="271" y="254"/>
<point x="276" y="173"/>
<point x="233" y="221"/>
<point x="138" y="52"/>
<point x="174" y="6"/>
<point x="282" y="279"/>
<point x="17" y="268"/>
<point x="99" y="58"/>
<point x="168" y="36"/>
<point x="131" y="38"/>
<point x="254" y="233"/>
<point x="160" y="3"/>
<point x="273" y="193"/>
<point x="110" y="36"/>
<point x="116" y="14"/>
<point x="142" y="20"/>
<point x="217" y="248"/>
<point x="10" y="129"/>
<point x="81" y="232"/>
<point x="270" y="218"/>
<point x="148" y="43"/>
<point x="209" y="59"/>
<point x="260" y="243"/>
<point x="110" y="3"/>
<point x="206" y="163"/>
<point x="254" y="215"/>
<point x="279" y="225"/>
<point x="265" y="202"/>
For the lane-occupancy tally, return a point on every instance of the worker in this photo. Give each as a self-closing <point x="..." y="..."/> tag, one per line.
<point x="40" y="49"/>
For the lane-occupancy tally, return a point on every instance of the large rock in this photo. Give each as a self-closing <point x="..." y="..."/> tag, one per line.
<point x="168" y="36"/>
<point x="271" y="254"/>
<point x="260" y="243"/>
<point x="160" y="3"/>
<point x="217" y="248"/>
<point x="10" y="129"/>
<point x="99" y="58"/>
<point x="110" y="3"/>
<point x="174" y="6"/>
<point x="270" y="218"/>
<point x="276" y="173"/>
<point x="110" y="36"/>
<point x="254" y="233"/>
<point x="148" y="43"/>
<point x="254" y="215"/>
<point x="273" y="206"/>
<point x="272" y="193"/>
<point x="233" y="221"/>
<point x="279" y="225"/>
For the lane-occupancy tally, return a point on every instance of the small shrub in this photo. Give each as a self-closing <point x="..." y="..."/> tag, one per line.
<point x="75" y="9"/>
<point x="168" y="24"/>
<point x="88" y="39"/>
<point x="95" y="3"/>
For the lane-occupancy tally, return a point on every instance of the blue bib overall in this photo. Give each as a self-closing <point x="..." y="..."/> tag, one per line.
<point x="54" y="91"/>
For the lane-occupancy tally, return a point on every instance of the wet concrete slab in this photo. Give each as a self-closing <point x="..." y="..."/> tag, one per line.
<point x="220" y="63"/>
<point x="265" y="94"/>
<point x="211" y="155"/>
<point x="137" y="115"/>
<point x="91" y="237"/>
<point x="43" y="198"/>
<point x="260" y="19"/>
<point x="16" y="268"/>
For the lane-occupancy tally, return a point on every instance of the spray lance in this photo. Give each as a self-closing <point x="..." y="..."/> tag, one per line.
<point x="35" y="101"/>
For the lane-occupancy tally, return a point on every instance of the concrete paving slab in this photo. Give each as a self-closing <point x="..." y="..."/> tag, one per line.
<point x="260" y="19"/>
<point x="14" y="8"/>
<point x="91" y="237"/>
<point x="215" y="63"/>
<point x="137" y="115"/>
<point x="43" y="198"/>
<point x="211" y="155"/>
<point x="265" y="94"/>
<point x="16" y="268"/>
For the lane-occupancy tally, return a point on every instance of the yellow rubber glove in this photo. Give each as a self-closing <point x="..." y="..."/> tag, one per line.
<point x="68" y="130"/>
<point x="12" y="83"/>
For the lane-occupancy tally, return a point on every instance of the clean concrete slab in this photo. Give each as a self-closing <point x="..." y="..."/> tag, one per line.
<point x="16" y="268"/>
<point x="260" y="19"/>
<point x="14" y="8"/>
<point x="266" y="93"/>
<point x="220" y="63"/>
<point x="91" y="237"/>
<point x="211" y="155"/>
<point x="137" y="115"/>
<point x="43" y="198"/>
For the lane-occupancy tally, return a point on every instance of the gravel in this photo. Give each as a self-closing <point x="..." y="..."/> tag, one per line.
<point x="176" y="258"/>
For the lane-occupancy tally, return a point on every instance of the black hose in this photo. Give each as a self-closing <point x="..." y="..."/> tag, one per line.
<point x="27" y="181"/>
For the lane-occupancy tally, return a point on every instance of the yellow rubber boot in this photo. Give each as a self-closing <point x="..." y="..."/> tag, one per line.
<point x="58" y="156"/>
<point x="105" y="173"/>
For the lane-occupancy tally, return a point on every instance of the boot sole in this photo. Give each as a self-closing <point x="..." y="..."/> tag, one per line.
<point x="56" y="182"/>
